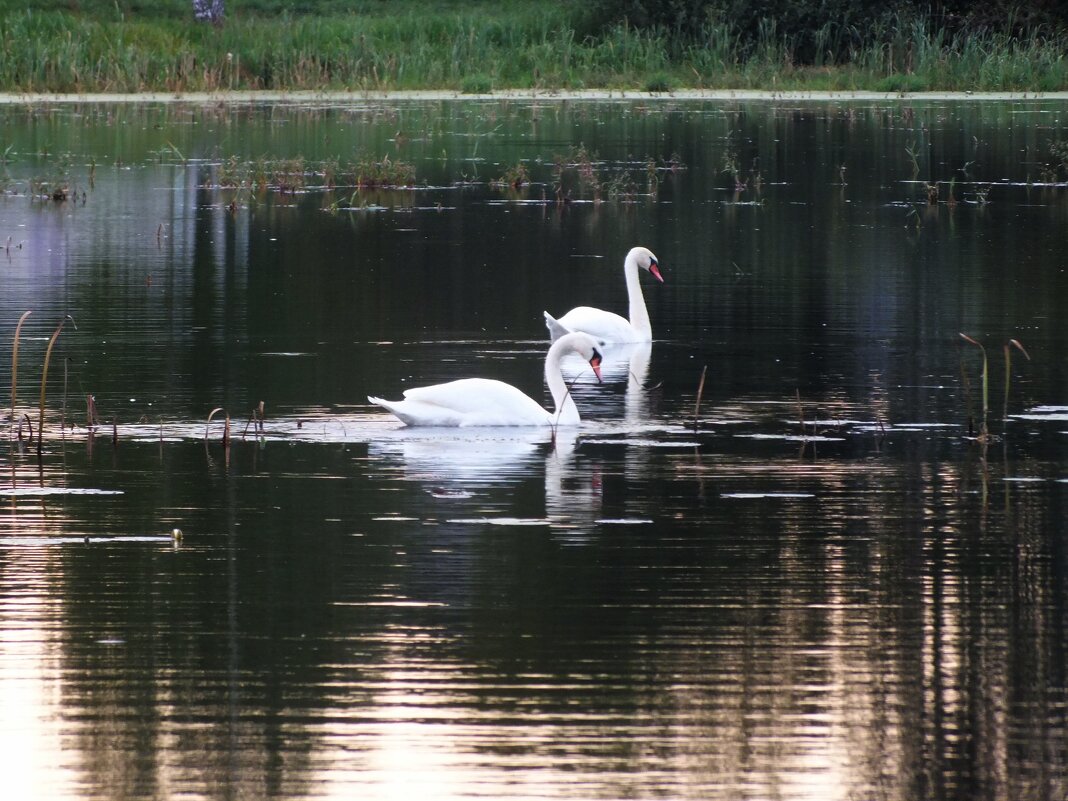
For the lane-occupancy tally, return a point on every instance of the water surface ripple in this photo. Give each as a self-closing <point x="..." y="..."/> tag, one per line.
<point x="808" y="576"/>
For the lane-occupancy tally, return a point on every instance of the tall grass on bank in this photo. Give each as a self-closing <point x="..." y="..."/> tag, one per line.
<point x="417" y="44"/>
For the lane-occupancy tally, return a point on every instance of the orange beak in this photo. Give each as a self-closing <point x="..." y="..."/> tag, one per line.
<point x="655" y="270"/>
<point x="595" y="363"/>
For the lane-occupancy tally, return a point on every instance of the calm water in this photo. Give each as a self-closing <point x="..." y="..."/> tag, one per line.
<point x="823" y="588"/>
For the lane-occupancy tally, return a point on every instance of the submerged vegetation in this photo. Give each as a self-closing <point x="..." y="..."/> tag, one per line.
<point x="574" y="175"/>
<point x="482" y="46"/>
<point x="297" y="174"/>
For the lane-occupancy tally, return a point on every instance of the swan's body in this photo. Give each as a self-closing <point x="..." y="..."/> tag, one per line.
<point x="488" y="402"/>
<point x="608" y="327"/>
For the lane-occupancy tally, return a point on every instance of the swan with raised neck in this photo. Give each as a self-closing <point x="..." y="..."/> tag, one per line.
<point x="608" y="327"/>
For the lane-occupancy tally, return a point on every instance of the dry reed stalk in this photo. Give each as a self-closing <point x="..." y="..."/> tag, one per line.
<point x="44" y="382"/>
<point x="15" y="362"/>
<point x="91" y="417"/>
<point x="226" y="426"/>
<point x="700" y="392"/>
<point x="29" y="425"/>
<point x="983" y="430"/>
<point x="1007" y="349"/>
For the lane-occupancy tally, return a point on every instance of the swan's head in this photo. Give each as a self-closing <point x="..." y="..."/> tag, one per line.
<point x="647" y="261"/>
<point x="585" y="346"/>
<point x="595" y="363"/>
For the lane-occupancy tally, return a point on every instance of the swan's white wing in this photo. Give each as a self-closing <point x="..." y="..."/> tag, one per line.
<point x="467" y="402"/>
<point x="604" y="326"/>
<point x="471" y="395"/>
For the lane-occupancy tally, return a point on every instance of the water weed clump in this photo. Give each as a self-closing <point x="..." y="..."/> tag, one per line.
<point x="515" y="176"/>
<point x="579" y="174"/>
<point x="369" y="173"/>
<point x="297" y="175"/>
<point x="1056" y="169"/>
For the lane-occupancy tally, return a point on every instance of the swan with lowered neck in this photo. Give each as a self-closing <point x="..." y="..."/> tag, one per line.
<point x="488" y="402"/>
<point x="608" y="327"/>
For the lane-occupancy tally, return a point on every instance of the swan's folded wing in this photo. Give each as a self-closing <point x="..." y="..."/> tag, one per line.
<point x="604" y="326"/>
<point x="465" y="394"/>
<point x="475" y="402"/>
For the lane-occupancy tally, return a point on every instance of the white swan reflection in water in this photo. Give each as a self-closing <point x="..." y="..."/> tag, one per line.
<point x="475" y="471"/>
<point x="474" y="478"/>
<point x="621" y="365"/>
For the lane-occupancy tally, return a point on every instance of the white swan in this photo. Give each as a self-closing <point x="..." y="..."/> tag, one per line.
<point x="608" y="327"/>
<point x="487" y="402"/>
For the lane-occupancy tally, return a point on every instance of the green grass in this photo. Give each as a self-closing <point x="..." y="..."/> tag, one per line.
<point x="155" y="45"/>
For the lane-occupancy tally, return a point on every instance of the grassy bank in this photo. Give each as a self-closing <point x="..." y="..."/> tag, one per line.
<point x="477" y="46"/>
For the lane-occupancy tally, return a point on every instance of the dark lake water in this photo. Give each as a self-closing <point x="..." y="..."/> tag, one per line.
<point x="808" y="577"/>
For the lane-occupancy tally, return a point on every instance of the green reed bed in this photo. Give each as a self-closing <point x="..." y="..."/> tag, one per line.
<point x="154" y="45"/>
<point x="912" y="56"/>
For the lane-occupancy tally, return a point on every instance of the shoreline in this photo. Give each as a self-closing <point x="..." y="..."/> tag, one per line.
<point x="342" y="96"/>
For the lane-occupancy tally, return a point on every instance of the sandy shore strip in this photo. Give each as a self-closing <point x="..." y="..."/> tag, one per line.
<point x="298" y="97"/>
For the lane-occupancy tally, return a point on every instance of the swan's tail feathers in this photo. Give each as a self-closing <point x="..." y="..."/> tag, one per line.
<point x="385" y="404"/>
<point x="393" y="407"/>
<point x="555" y="329"/>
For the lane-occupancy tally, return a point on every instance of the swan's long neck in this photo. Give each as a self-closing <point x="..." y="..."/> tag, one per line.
<point x="639" y="316"/>
<point x="564" y="409"/>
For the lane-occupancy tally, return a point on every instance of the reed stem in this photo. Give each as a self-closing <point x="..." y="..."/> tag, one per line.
<point x="1007" y="349"/>
<point x="983" y="430"/>
<point x="44" y="382"/>
<point x="700" y="392"/>
<point x="226" y="426"/>
<point x="15" y="362"/>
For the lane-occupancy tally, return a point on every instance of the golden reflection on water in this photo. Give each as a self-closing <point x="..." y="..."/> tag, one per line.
<point x="842" y="651"/>
<point x="32" y="733"/>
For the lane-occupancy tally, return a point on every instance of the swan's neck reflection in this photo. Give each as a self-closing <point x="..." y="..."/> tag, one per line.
<point x="636" y="401"/>
<point x="573" y="492"/>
